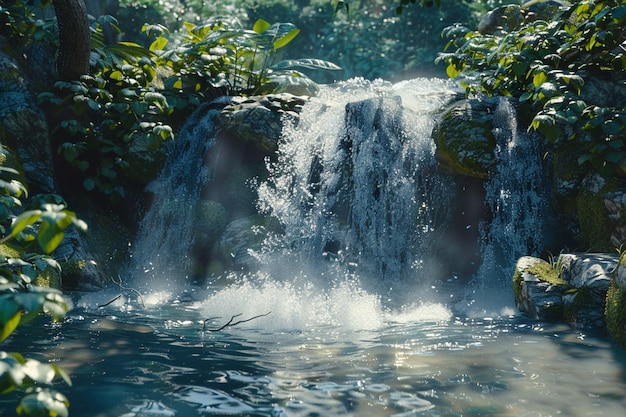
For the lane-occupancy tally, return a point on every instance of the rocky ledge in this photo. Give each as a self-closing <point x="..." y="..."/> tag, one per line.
<point x="587" y="290"/>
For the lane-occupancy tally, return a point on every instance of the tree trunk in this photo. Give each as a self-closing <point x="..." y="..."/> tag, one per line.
<point x="74" y="39"/>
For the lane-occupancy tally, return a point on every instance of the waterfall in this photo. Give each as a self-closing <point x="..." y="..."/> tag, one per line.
<point x="356" y="179"/>
<point x="356" y="188"/>
<point x="515" y="197"/>
<point x="160" y="254"/>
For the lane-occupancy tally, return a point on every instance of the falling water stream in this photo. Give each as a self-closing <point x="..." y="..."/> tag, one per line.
<point x="350" y="312"/>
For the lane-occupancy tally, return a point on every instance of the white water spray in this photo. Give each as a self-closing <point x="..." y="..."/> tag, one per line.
<point x="356" y="179"/>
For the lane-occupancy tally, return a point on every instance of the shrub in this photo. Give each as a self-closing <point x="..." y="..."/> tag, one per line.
<point x="544" y="64"/>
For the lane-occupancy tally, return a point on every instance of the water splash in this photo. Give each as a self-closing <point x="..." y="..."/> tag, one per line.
<point x="356" y="179"/>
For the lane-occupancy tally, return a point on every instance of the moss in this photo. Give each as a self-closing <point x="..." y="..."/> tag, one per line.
<point x="517" y="284"/>
<point x="615" y="313"/>
<point x="73" y="267"/>
<point x="544" y="271"/>
<point x="9" y="251"/>
<point x="594" y="226"/>
<point x="464" y="138"/>
<point x="50" y="278"/>
<point x="547" y="273"/>
<point x="582" y="299"/>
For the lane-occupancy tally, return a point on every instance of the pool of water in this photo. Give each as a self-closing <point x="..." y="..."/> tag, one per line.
<point x="306" y="356"/>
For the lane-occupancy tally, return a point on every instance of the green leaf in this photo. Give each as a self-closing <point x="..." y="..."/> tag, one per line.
<point x="43" y="402"/>
<point x="285" y="39"/>
<point x="260" y="26"/>
<point x="116" y="75"/>
<point x="452" y="71"/>
<point x="24" y="220"/>
<point x="306" y="63"/>
<point x="539" y="79"/>
<point x="159" y="43"/>
<point x="10" y="316"/>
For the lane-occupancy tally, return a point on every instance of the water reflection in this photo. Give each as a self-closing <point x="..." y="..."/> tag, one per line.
<point x="158" y="363"/>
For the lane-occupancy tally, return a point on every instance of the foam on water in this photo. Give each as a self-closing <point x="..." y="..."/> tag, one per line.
<point x="296" y="305"/>
<point x="300" y="305"/>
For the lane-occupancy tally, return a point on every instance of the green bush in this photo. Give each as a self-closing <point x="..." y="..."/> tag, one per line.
<point x="544" y="64"/>
<point x="144" y="94"/>
<point x="20" y="300"/>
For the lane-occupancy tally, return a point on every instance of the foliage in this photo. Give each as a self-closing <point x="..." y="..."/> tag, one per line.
<point x="21" y="301"/>
<point x="545" y="63"/>
<point x="111" y="109"/>
<point x="138" y="95"/>
<point x="19" y="22"/>
<point x="367" y="38"/>
<point x="222" y="57"/>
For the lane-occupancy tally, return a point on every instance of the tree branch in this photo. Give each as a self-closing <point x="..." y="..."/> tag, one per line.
<point x="230" y="322"/>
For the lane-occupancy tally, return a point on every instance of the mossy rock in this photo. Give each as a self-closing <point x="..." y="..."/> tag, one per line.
<point x="502" y="19"/>
<point x="464" y="138"/>
<point x="539" y="289"/>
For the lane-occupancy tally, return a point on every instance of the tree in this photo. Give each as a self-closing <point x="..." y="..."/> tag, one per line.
<point x="74" y="39"/>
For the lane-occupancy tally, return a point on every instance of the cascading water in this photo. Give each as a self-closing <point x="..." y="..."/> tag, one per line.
<point x="514" y="195"/>
<point x="357" y="191"/>
<point x="160" y="254"/>
<point x="356" y="180"/>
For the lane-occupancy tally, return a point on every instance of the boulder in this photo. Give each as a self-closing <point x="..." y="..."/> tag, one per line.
<point x="573" y="288"/>
<point x="502" y="19"/>
<point x="243" y="237"/>
<point x="258" y="120"/>
<point x="24" y="128"/>
<point x="615" y="205"/>
<point x="589" y="276"/>
<point x="538" y="289"/>
<point x="464" y="137"/>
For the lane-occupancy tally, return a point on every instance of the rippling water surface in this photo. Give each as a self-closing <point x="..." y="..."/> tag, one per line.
<point x="362" y="360"/>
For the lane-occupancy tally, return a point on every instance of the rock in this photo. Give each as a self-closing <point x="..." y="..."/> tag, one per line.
<point x="24" y="127"/>
<point x="145" y="162"/>
<point x="538" y="289"/>
<point x="573" y="289"/>
<point x="615" y="204"/>
<point x="210" y="221"/>
<point x="79" y="266"/>
<point x="258" y="120"/>
<point x="589" y="274"/>
<point x="464" y="137"/>
<point x="598" y="210"/>
<point x="502" y="19"/>
<point x="243" y="237"/>
<point x="603" y="92"/>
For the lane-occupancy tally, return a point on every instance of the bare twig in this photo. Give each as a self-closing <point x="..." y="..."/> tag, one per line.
<point x="139" y="296"/>
<point x="123" y="287"/>
<point x="230" y="322"/>
<point x="109" y="302"/>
